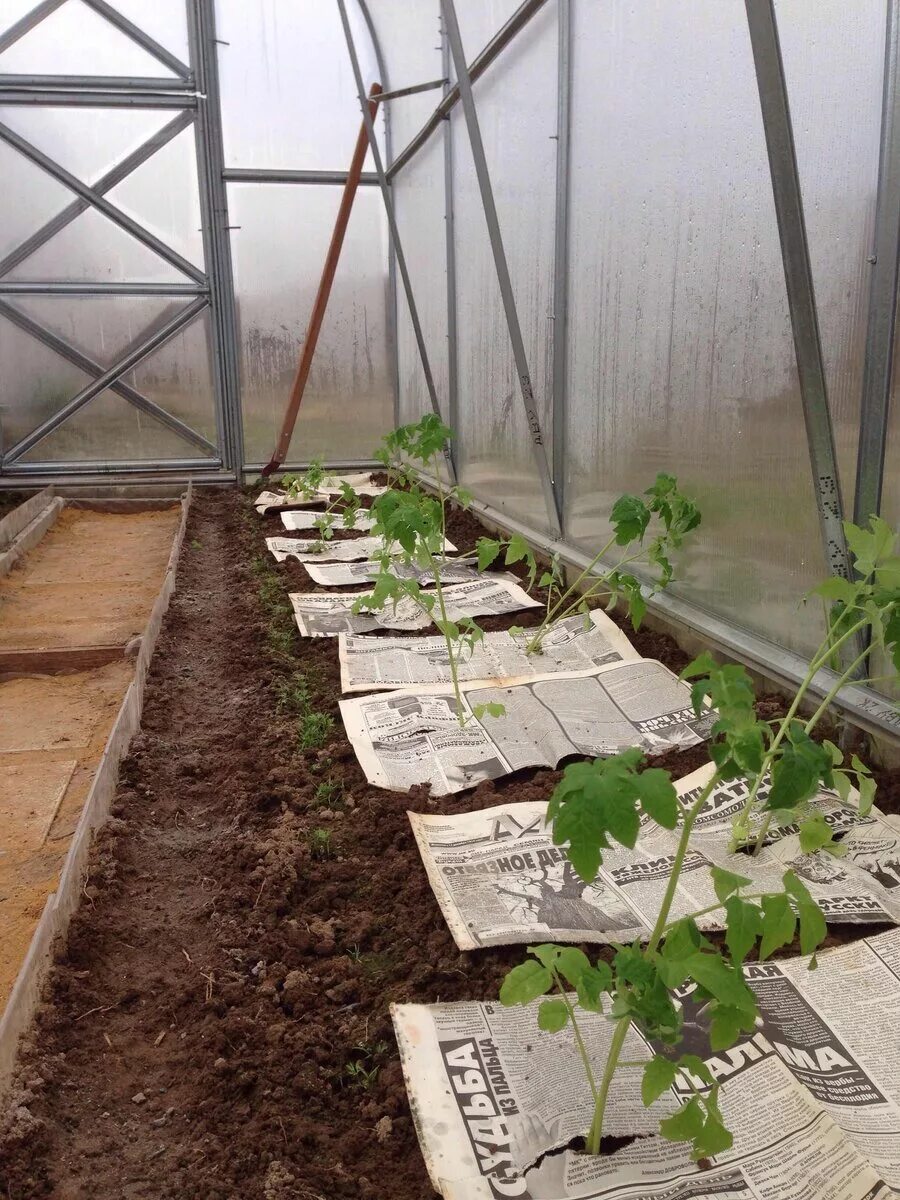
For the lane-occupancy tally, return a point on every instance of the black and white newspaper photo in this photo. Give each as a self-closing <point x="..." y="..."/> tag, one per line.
<point x="335" y="550"/>
<point x="575" y="644"/>
<point x="812" y="1095"/>
<point x="499" y="878"/>
<point x="327" y="614"/>
<point x="406" y="737"/>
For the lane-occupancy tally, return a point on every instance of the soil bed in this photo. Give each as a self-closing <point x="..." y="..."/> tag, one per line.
<point x="218" y="1025"/>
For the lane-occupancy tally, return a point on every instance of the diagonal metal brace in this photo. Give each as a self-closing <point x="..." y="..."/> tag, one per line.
<point x="162" y="335"/>
<point x="104" y="184"/>
<point x="73" y="355"/>
<point x="500" y="263"/>
<point x="94" y="198"/>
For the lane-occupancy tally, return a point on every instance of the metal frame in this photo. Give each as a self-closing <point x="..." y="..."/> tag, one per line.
<point x="202" y="290"/>
<point x="561" y="250"/>
<point x="881" y="328"/>
<point x="776" y="115"/>
<point x="392" y="220"/>
<point x="450" y="246"/>
<point x="464" y="84"/>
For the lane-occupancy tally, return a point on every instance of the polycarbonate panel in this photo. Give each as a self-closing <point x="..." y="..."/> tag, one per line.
<point x="179" y="376"/>
<point x="85" y="141"/>
<point x="104" y="328"/>
<point x="479" y="20"/>
<point x="289" y="97"/>
<point x="13" y="11"/>
<point x="94" y="249"/>
<point x="516" y="103"/>
<point x="38" y="386"/>
<point x="832" y="54"/>
<point x="75" y="40"/>
<point x="681" y="357"/>
<point x="278" y="244"/>
<point x="109" y="429"/>
<point x="419" y="204"/>
<point x="29" y="197"/>
<point x="163" y="195"/>
<point x="410" y="40"/>
<point x="164" y="20"/>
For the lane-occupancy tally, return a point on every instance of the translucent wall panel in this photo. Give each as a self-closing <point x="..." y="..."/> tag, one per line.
<point x="38" y="387"/>
<point x="279" y="248"/>
<point x="108" y="429"/>
<point x="409" y="35"/>
<point x="288" y="94"/>
<point x="419" y="201"/>
<point x="76" y="40"/>
<point x="28" y="198"/>
<point x="516" y="102"/>
<point x="834" y="63"/>
<point x="479" y="20"/>
<point x="164" y="20"/>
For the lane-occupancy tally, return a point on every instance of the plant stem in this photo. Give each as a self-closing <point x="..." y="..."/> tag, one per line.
<point x="659" y="929"/>
<point x="579" y="1040"/>
<point x="595" y="1133"/>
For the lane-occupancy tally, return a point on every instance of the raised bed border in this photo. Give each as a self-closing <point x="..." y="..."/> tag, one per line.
<point x="23" y="528"/>
<point x="61" y="904"/>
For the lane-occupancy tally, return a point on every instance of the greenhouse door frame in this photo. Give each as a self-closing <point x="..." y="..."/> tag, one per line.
<point x="192" y="94"/>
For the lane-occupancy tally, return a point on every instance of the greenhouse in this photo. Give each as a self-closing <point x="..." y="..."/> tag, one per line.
<point x="449" y="599"/>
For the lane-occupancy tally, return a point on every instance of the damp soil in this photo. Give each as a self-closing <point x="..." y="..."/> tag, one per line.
<point x="217" y="1025"/>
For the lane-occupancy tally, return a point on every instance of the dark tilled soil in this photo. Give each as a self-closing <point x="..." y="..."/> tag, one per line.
<point x="217" y="1026"/>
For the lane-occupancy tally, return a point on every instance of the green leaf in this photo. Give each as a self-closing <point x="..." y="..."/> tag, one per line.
<point x="779" y="924"/>
<point x="714" y="1138"/>
<point x="836" y="589"/>
<point x="841" y="781"/>
<point x="837" y="754"/>
<point x="867" y="786"/>
<point x="815" y="832"/>
<point x="686" y="1124"/>
<point x="572" y="963"/>
<point x="797" y="773"/>
<point x="630" y="517"/>
<point x="518" y="550"/>
<point x="703" y="664"/>
<point x="490" y="709"/>
<point x="727" y="1024"/>
<point x="553" y="1016"/>
<point x="488" y="549"/>
<point x="721" y="980"/>
<point x="726" y="883"/>
<point x="658" y="797"/>
<point x="743" y="922"/>
<point x="525" y="983"/>
<point x="812" y="920"/>
<point x="659" y="1075"/>
<point x="591" y="985"/>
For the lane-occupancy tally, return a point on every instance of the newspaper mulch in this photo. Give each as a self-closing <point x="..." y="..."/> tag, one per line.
<point x="327" y="614"/>
<point x="305" y="518"/>
<point x="452" y="570"/>
<point x="403" y="738"/>
<point x="336" y="550"/>
<point x="812" y="1097"/>
<point x="499" y="879"/>
<point x="576" y="644"/>
<point x="362" y="484"/>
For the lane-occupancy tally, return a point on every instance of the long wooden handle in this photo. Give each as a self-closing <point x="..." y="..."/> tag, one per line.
<point x="321" y="302"/>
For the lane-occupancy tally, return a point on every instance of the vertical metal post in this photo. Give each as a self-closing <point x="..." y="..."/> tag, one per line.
<point x="216" y="241"/>
<point x="500" y="262"/>
<point x="391" y="216"/>
<point x="561" y="250"/>
<point x="882" y="319"/>
<point x="392" y="319"/>
<point x="776" y="117"/>
<point x="450" y="236"/>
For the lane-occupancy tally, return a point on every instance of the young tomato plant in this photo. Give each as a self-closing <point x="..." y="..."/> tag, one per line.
<point x="601" y="802"/>
<point x="341" y="511"/>
<point x="305" y="486"/>
<point x="412" y="525"/>
<point x="787" y="765"/>
<point x="667" y="515"/>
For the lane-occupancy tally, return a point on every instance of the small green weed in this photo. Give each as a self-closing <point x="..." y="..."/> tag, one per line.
<point x="313" y="730"/>
<point x="319" y="842"/>
<point x="362" y="1070"/>
<point x="328" y="793"/>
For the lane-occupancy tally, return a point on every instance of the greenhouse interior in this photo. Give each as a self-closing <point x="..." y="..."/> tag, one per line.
<point x="449" y="600"/>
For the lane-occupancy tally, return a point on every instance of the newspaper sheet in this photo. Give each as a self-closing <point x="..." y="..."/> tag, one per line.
<point x="406" y="737"/>
<point x="453" y="570"/>
<point x="572" y="645"/>
<point x="327" y="614"/>
<point x="812" y="1097"/>
<point x="361" y="483"/>
<point x="499" y="879"/>
<point x="300" y="518"/>
<point x="336" y="550"/>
